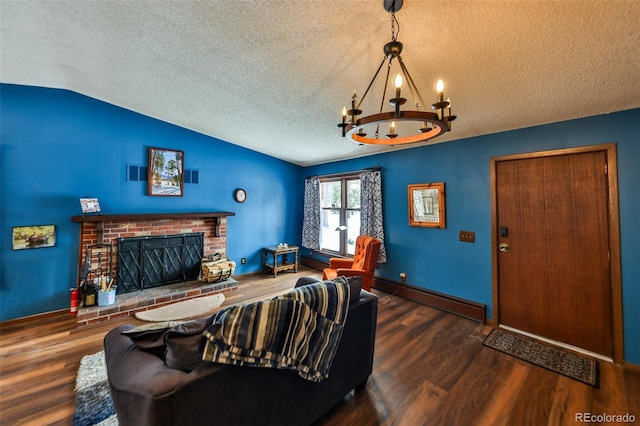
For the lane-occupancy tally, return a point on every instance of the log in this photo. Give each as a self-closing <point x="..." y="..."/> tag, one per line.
<point x="217" y="270"/>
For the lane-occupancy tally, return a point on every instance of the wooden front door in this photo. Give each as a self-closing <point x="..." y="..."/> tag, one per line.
<point x="552" y="224"/>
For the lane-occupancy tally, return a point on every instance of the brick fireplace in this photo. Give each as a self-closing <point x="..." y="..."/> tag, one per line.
<point x="98" y="232"/>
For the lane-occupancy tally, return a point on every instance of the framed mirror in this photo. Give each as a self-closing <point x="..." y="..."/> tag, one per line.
<point x="426" y="205"/>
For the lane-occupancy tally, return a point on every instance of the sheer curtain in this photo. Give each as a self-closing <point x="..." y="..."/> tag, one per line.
<point x="371" y="219"/>
<point x="311" y="215"/>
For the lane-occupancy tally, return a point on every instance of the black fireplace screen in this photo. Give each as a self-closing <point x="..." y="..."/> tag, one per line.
<point x="153" y="261"/>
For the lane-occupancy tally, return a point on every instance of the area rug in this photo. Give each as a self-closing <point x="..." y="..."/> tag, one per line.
<point x="94" y="405"/>
<point x="556" y="359"/>
<point x="183" y="310"/>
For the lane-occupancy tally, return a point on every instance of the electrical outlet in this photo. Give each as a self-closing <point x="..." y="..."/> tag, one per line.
<point x="243" y="260"/>
<point x="468" y="236"/>
<point x="403" y="277"/>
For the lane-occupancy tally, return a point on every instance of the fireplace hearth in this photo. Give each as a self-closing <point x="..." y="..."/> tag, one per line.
<point x="129" y="303"/>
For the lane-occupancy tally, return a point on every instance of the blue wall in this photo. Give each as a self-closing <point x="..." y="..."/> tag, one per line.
<point x="435" y="259"/>
<point x="58" y="146"/>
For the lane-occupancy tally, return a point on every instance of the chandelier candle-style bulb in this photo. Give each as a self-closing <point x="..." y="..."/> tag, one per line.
<point x="397" y="100"/>
<point x="441" y="104"/>
<point x="392" y="130"/>
<point x="449" y="116"/>
<point x="354" y="112"/>
<point x="354" y="98"/>
<point x="398" y="84"/>
<point x="343" y="125"/>
<point x="440" y="89"/>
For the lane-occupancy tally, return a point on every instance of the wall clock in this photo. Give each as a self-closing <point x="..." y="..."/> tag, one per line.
<point x="240" y="195"/>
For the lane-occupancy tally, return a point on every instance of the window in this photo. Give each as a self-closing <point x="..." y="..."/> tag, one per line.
<point x="340" y="214"/>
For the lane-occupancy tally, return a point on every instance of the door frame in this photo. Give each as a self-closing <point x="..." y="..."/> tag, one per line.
<point x="615" y="270"/>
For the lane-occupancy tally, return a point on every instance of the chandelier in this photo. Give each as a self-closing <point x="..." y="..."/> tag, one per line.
<point x="404" y="126"/>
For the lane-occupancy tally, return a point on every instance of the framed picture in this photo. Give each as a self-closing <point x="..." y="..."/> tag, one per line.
<point x="90" y="205"/>
<point x="166" y="172"/>
<point x="28" y="237"/>
<point x="426" y="205"/>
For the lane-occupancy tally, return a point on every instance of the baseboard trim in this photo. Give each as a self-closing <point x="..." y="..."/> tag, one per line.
<point x="248" y="274"/>
<point x="455" y="305"/>
<point x="632" y="368"/>
<point x="35" y="317"/>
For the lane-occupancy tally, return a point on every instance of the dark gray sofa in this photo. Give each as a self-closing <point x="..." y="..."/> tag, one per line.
<point x="147" y="392"/>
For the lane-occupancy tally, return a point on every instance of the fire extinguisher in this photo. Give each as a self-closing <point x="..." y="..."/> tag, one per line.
<point x="75" y="300"/>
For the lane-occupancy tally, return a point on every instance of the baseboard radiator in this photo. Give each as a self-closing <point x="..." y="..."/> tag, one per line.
<point x="313" y="263"/>
<point x="455" y="305"/>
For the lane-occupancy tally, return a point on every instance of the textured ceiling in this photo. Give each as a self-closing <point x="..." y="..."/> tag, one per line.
<point x="273" y="76"/>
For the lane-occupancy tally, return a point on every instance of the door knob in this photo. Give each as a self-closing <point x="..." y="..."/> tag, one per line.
<point x="504" y="247"/>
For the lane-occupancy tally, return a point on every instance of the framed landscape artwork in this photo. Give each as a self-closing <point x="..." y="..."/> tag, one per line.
<point x="426" y="205"/>
<point x="28" y="237"/>
<point x="166" y="172"/>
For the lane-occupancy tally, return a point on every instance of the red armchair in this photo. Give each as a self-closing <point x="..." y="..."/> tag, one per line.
<point x="363" y="263"/>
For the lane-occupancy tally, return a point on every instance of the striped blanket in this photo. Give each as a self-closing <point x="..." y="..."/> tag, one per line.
<point x="299" y="331"/>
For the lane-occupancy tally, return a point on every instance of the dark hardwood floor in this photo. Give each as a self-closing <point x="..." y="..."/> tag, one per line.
<point x="430" y="368"/>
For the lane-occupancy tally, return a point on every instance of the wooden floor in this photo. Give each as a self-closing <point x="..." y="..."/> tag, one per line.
<point x="430" y="368"/>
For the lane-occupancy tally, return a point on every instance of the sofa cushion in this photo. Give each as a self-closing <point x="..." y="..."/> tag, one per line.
<point x="150" y="337"/>
<point x="176" y="342"/>
<point x="182" y="342"/>
<point x="355" y="283"/>
<point x="306" y="281"/>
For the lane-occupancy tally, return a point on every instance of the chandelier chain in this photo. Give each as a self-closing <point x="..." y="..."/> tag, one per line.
<point x="394" y="22"/>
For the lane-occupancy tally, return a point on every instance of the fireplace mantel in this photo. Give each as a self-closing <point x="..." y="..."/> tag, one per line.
<point x="100" y="219"/>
